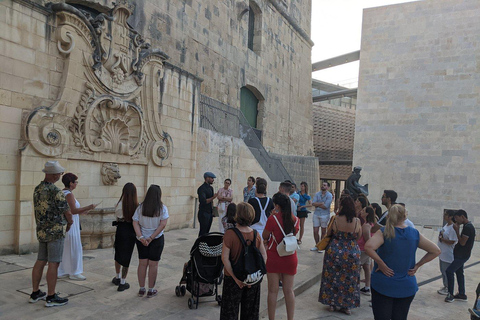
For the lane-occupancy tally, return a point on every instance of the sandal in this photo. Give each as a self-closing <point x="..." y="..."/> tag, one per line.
<point x="332" y="308"/>
<point x="299" y="241"/>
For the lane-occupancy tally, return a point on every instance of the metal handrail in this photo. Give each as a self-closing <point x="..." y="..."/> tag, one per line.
<point x="219" y="117"/>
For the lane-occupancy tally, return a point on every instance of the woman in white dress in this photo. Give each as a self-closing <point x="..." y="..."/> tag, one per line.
<point x="225" y="197"/>
<point x="72" y="264"/>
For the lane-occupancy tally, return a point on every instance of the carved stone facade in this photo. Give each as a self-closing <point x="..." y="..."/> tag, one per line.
<point x="93" y="83"/>
<point x="113" y="62"/>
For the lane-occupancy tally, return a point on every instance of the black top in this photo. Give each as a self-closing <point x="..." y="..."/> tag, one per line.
<point x="254" y="203"/>
<point x="204" y="192"/>
<point x="463" y="252"/>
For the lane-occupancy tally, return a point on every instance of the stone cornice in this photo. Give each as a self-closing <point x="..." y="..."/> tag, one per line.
<point x="292" y="22"/>
<point x="34" y="5"/>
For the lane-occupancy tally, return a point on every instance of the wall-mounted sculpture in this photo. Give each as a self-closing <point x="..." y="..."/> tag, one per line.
<point x="109" y="92"/>
<point x="110" y="173"/>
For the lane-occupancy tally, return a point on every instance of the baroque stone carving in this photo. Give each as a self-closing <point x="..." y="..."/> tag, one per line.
<point x="120" y="74"/>
<point x="110" y="173"/>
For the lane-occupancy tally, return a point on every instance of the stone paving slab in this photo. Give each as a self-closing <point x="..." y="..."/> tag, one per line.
<point x="97" y="298"/>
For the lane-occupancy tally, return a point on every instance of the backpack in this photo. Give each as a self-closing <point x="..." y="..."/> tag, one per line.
<point x="250" y="267"/>
<point x="289" y="244"/>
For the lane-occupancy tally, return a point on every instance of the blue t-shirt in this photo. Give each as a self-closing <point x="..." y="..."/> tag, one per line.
<point x="302" y="200"/>
<point x="399" y="255"/>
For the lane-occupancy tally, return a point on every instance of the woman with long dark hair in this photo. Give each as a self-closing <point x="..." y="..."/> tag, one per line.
<point x="393" y="248"/>
<point x="303" y="202"/>
<point x="280" y="268"/>
<point x="340" y="285"/>
<point x="149" y="222"/>
<point x="72" y="261"/>
<point x="125" y="234"/>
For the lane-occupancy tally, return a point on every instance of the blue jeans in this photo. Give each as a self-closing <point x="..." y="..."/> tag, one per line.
<point x="456" y="267"/>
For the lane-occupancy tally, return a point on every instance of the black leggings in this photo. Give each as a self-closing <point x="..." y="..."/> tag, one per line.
<point x="388" y="308"/>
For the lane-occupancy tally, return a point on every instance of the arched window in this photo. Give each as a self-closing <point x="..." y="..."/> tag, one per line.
<point x="249" y="106"/>
<point x="254" y="40"/>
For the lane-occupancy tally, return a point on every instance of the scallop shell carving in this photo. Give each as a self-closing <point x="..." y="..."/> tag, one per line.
<point x="115" y="135"/>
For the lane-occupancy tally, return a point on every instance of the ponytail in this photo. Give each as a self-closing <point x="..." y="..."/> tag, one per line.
<point x="396" y="214"/>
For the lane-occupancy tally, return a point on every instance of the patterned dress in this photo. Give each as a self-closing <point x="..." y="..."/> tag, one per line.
<point x="340" y="285"/>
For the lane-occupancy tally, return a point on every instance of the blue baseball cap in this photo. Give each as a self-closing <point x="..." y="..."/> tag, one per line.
<point x="208" y="174"/>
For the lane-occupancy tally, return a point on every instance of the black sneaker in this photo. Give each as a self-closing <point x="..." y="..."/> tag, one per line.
<point x="365" y="291"/>
<point x="39" y="295"/>
<point x="55" y="301"/>
<point x="460" y="297"/>
<point x="449" y="298"/>
<point x="116" y="281"/>
<point x="123" y="287"/>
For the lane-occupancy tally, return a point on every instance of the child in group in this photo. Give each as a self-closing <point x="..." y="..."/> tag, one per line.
<point x="228" y="220"/>
<point x="447" y="239"/>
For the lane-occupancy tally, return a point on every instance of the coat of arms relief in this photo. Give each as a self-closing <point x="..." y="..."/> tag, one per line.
<point x="109" y="96"/>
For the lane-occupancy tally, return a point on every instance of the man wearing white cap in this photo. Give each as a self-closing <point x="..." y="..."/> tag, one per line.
<point x="206" y="196"/>
<point x="53" y="219"/>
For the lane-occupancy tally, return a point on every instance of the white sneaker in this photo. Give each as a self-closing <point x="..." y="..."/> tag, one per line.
<point x="77" y="277"/>
<point x="314" y="249"/>
<point x="443" y="291"/>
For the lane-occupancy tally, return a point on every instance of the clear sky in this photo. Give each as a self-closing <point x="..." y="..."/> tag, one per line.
<point x="336" y="30"/>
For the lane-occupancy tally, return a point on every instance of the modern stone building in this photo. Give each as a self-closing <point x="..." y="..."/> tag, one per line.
<point x="139" y="92"/>
<point x="417" y="121"/>
<point x="333" y="132"/>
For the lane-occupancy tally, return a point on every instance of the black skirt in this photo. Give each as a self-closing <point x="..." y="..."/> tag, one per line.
<point x="124" y="243"/>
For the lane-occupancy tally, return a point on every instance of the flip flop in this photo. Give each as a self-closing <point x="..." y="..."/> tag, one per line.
<point x="332" y="308"/>
<point x="299" y="241"/>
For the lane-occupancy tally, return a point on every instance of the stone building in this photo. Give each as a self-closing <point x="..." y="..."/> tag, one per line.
<point x="131" y="93"/>
<point x="333" y="132"/>
<point x="417" y="121"/>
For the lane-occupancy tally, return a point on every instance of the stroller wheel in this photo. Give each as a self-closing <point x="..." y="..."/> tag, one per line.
<point x="177" y="291"/>
<point x="183" y="290"/>
<point x="191" y="302"/>
<point x="219" y="299"/>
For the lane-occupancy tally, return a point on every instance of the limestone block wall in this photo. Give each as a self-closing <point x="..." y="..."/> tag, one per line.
<point x="417" y="120"/>
<point x="228" y="157"/>
<point x="50" y="84"/>
<point x="209" y="39"/>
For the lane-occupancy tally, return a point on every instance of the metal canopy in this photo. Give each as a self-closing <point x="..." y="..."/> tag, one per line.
<point x="336" y="61"/>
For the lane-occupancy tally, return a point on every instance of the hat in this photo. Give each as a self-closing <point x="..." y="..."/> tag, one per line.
<point x="53" y="167"/>
<point x="208" y="174"/>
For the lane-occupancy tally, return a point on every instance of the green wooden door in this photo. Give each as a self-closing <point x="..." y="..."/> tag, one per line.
<point x="248" y="106"/>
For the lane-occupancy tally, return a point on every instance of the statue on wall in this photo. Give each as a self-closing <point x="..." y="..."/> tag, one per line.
<point x="110" y="173"/>
<point x="109" y="93"/>
<point x="353" y="185"/>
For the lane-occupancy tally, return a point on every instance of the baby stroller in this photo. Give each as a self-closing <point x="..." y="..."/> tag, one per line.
<point x="203" y="272"/>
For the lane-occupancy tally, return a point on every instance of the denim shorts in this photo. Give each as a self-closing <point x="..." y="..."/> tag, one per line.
<point x="51" y="251"/>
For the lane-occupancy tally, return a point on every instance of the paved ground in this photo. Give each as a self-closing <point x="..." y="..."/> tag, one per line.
<point x="97" y="298"/>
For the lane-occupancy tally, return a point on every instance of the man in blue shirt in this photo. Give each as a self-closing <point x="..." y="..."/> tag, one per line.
<point x="321" y="201"/>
